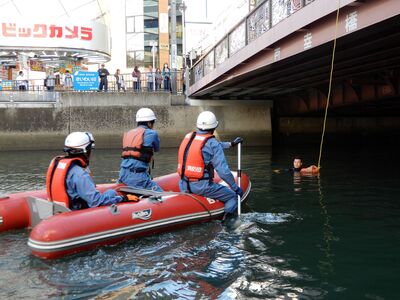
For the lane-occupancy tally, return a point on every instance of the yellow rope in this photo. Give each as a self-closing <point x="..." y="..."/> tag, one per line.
<point x="330" y="86"/>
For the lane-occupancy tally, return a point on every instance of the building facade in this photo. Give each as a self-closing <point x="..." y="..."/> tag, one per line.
<point x="43" y="35"/>
<point x="148" y="25"/>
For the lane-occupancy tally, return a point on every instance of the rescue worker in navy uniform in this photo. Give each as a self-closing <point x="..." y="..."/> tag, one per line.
<point x="69" y="181"/>
<point x="199" y="154"/>
<point x="139" y="145"/>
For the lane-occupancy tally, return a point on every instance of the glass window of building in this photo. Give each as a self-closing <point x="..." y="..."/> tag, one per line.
<point x="135" y="58"/>
<point x="135" y="41"/>
<point x="142" y="30"/>
<point x="134" y="8"/>
<point x="179" y="31"/>
<point x="130" y="24"/>
<point x="139" y="26"/>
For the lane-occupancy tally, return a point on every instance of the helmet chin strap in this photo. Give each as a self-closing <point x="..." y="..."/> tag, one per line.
<point x="87" y="157"/>
<point x="88" y="153"/>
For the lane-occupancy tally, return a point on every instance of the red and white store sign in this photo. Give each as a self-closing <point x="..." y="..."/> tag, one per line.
<point x="89" y="36"/>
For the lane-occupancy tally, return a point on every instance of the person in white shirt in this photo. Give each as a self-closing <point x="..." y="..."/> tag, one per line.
<point x="21" y="81"/>
<point x="68" y="80"/>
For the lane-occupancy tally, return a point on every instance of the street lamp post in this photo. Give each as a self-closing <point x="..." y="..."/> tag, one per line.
<point x="153" y="51"/>
<point x="182" y="8"/>
<point x="173" y="46"/>
<point x="192" y="56"/>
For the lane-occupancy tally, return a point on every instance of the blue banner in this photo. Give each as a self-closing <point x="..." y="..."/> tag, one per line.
<point x="7" y="85"/>
<point x="86" y="81"/>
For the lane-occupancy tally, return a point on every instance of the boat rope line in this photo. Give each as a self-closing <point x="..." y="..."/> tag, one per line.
<point x="330" y="85"/>
<point x="327" y="231"/>
<point x="198" y="201"/>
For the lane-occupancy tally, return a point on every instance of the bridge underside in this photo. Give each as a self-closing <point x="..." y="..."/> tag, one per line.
<point x="366" y="77"/>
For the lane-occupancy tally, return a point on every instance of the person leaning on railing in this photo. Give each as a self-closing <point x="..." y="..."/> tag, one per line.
<point x="21" y="81"/>
<point x="136" y="79"/>
<point x="119" y="80"/>
<point x="68" y="80"/>
<point x="103" y="73"/>
<point x="166" y="72"/>
<point x="50" y="81"/>
<point x="159" y="79"/>
<point x="150" y="77"/>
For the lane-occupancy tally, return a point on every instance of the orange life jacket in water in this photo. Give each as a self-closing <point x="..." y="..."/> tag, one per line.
<point x="132" y="145"/>
<point x="190" y="159"/>
<point x="314" y="170"/>
<point x="56" y="176"/>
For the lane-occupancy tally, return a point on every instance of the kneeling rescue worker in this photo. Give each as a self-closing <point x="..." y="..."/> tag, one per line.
<point x="139" y="145"/>
<point x="199" y="154"/>
<point x="69" y="181"/>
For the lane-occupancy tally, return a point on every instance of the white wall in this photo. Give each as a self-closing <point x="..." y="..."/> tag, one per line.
<point x="117" y="34"/>
<point x="221" y="16"/>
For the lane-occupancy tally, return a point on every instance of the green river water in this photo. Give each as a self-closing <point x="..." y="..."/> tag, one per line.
<point x="333" y="236"/>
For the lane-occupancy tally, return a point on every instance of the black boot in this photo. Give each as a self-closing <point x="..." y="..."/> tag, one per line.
<point x="229" y="217"/>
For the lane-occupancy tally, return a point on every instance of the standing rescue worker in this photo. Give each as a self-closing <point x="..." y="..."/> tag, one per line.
<point x="69" y="181"/>
<point x="199" y="154"/>
<point x="138" y="147"/>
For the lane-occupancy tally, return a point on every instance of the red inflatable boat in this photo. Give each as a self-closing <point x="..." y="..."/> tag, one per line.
<point x="58" y="232"/>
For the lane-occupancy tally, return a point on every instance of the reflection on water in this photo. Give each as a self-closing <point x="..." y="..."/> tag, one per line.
<point x="333" y="236"/>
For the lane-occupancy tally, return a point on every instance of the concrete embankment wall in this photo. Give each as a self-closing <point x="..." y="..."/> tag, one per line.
<point x="36" y="126"/>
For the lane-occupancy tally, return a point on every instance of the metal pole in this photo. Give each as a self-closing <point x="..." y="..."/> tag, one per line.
<point x="184" y="31"/>
<point x="185" y="77"/>
<point x="239" y="175"/>
<point x="173" y="46"/>
<point x="153" y="50"/>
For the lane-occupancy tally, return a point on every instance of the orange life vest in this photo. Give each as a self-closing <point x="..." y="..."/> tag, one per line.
<point x="314" y="170"/>
<point x="56" y="176"/>
<point x="190" y="159"/>
<point x="132" y="145"/>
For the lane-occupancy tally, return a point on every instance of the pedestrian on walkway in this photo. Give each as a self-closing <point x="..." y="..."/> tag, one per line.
<point x="103" y="73"/>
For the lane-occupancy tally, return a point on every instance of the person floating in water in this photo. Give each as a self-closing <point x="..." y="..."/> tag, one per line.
<point x="298" y="167"/>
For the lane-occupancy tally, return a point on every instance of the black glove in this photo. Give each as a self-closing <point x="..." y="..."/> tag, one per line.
<point x="239" y="191"/>
<point x="236" y="141"/>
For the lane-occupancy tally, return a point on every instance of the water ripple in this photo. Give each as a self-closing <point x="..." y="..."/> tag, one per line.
<point x="305" y="238"/>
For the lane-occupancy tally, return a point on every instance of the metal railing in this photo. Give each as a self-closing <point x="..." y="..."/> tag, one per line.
<point x="266" y="15"/>
<point x="144" y="83"/>
<point x="130" y="85"/>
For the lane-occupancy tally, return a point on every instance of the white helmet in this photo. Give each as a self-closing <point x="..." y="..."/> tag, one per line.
<point x="145" y="115"/>
<point x="206" y="120"/>
<point x="79" y="142"/>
